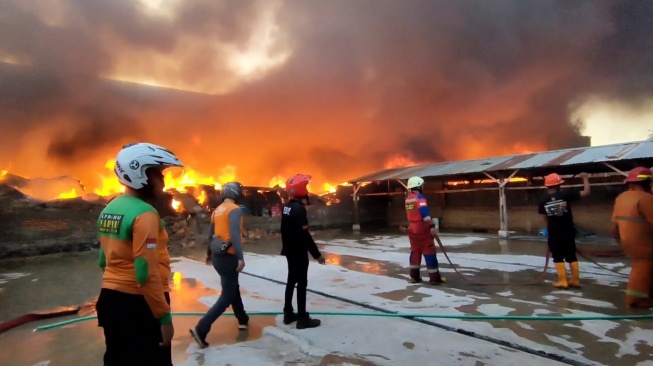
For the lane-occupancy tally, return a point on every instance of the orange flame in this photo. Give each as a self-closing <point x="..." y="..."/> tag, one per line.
<point x="68" y="195"/>
<point x="329" y="188"/>
<point x="188" y="178"/>
<point x="278" y="181"/>
<point x="202" y="198"/>
<point x="398" y="161"/>
<point x="176" y="205"/>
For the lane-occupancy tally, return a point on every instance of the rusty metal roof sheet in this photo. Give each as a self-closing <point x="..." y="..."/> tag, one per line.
<point x="584" y="155"/>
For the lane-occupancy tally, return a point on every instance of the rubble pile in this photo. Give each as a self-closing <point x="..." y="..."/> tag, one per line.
<point x="11" y="198"/>
<point x="45" y="224"/>
<point x="180" y="232"/>
<point x="257" y="233"/>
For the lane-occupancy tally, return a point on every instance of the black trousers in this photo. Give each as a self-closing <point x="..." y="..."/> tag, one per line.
<point x="131" y="332"/>
<point x="563" y="248"/>
<point x="297" y="275"/>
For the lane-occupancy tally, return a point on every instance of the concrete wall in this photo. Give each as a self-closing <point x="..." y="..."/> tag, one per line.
<point x="36" y="230"/>
<point x="479" y="210"/>
<point x="593" y="217"/>
<point x="373" y="213"/>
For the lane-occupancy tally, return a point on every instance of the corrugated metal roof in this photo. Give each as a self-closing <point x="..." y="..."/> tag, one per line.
<point x="585" y="155"/>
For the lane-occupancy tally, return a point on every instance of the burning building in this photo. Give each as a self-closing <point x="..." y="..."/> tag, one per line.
<point x="502" y="193"/>
<point x="257" y="90"/>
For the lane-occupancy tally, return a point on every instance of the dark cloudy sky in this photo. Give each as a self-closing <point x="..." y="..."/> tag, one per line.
<point x="331" y="88"/>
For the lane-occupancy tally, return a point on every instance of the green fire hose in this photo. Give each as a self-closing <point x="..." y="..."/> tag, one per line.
<point x="396" y="315"/>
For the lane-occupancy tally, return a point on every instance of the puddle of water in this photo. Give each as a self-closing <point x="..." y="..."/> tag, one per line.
<point x="355" y="264"/>
<point x="407" y="294"/>
<point x="223" y="332"/>
<point x="61" y="346"/>
<point x="335" y="360"/>
<point x="409" y="345"/>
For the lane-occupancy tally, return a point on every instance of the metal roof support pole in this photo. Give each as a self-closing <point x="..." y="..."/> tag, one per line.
<point x="503" y="210"/>
<point x="402" y="184"/>
<point x="615" y="169"/>
<point x="495" y="180"/>
<point x="503" y="205"/>
<point x="356" y="227"/>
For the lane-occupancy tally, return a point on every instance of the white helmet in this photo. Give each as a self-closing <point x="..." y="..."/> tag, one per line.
<point x="134" y="159"/>
<point x="415" y="182"/>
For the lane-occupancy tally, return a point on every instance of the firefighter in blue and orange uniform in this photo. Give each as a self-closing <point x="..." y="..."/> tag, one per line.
<point x="421" y="234"/>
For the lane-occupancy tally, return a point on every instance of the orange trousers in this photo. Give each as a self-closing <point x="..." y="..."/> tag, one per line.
<point x="640" y="284"/>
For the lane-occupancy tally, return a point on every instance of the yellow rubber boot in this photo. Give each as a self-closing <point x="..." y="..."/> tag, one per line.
<point x="562" y="276"/>
<point x="575" y="275"/>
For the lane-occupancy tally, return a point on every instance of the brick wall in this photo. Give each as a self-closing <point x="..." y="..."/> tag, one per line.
<point x="589" y="216"/>
<point x="36" y="230"/>
<point x="479" y="210"/>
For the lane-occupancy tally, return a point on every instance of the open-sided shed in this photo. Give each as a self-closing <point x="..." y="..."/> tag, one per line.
<point x="596" y="160"/>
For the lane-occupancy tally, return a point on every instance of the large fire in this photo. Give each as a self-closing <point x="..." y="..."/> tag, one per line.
<point x="399" y="161"/>
<point x="181" y="181"/>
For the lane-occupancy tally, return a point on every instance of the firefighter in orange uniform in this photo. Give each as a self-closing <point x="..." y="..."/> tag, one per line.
<point x="421" y="233"/>
<point x="632" y="226"/>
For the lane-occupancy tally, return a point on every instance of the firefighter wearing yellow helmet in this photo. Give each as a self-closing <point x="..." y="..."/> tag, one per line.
<point x="421" y="233"/>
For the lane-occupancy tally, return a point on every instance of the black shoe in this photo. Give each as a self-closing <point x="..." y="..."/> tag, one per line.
<point x="201" y="340"/>
<point x="289" y="318"/>
<point x="243" y="324"/>
<point x="305" y="322"/>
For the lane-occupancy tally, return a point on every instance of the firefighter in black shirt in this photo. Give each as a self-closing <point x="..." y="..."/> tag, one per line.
<point x="297" y="242"/>
<point x="556" y="210"/>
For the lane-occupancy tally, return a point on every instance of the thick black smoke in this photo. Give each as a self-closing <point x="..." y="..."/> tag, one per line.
<point x="363" y="81"/>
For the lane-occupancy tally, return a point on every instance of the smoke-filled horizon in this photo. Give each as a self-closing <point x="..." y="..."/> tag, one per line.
<point x="334" y="89"/>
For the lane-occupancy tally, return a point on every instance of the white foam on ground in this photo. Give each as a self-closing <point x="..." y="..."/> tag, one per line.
<point x="378" y="290"/>
<point x="592" y="302"/>
<point x="370" y="288"/>
<point x="525" y="326"/>
<point x="565" y="343"/>
<point x="634" y="339"/>
<point x="493" y="309"/>
<point x="398" y="242"/>
<point x="10" y="276"/>
<point x="645" y="363"/>
<point x="338" y="334"/>
<point x="401" y="241"/>
<point x="465" y="261"/>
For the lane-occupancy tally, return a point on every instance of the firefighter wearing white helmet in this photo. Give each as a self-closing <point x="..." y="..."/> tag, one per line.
<point x="415" y="182"/>
<point x="421" y="233"/>
<point x="133" y="308"/>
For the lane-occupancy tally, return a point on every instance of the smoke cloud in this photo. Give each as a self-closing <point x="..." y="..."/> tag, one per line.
<point x="329" y="88"/>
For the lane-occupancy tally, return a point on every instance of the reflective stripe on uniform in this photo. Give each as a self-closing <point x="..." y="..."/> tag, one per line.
<point x="631" y="219"/>
<point x="413" y="266"/>
<point x="636" y="293"/>
<point x="435" y="270"/>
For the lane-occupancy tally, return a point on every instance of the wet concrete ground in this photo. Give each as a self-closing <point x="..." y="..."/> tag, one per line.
<point x="372" y="271"/>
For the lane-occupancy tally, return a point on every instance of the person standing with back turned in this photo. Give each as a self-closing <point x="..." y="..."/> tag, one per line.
<point x="556" y="211"/>
<point x="632" y="221"/>
<point x="132" y="308"/>
<point x="297" y="242"/>
<point x="421" y="234"/>
<point x="225" y="252"/>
